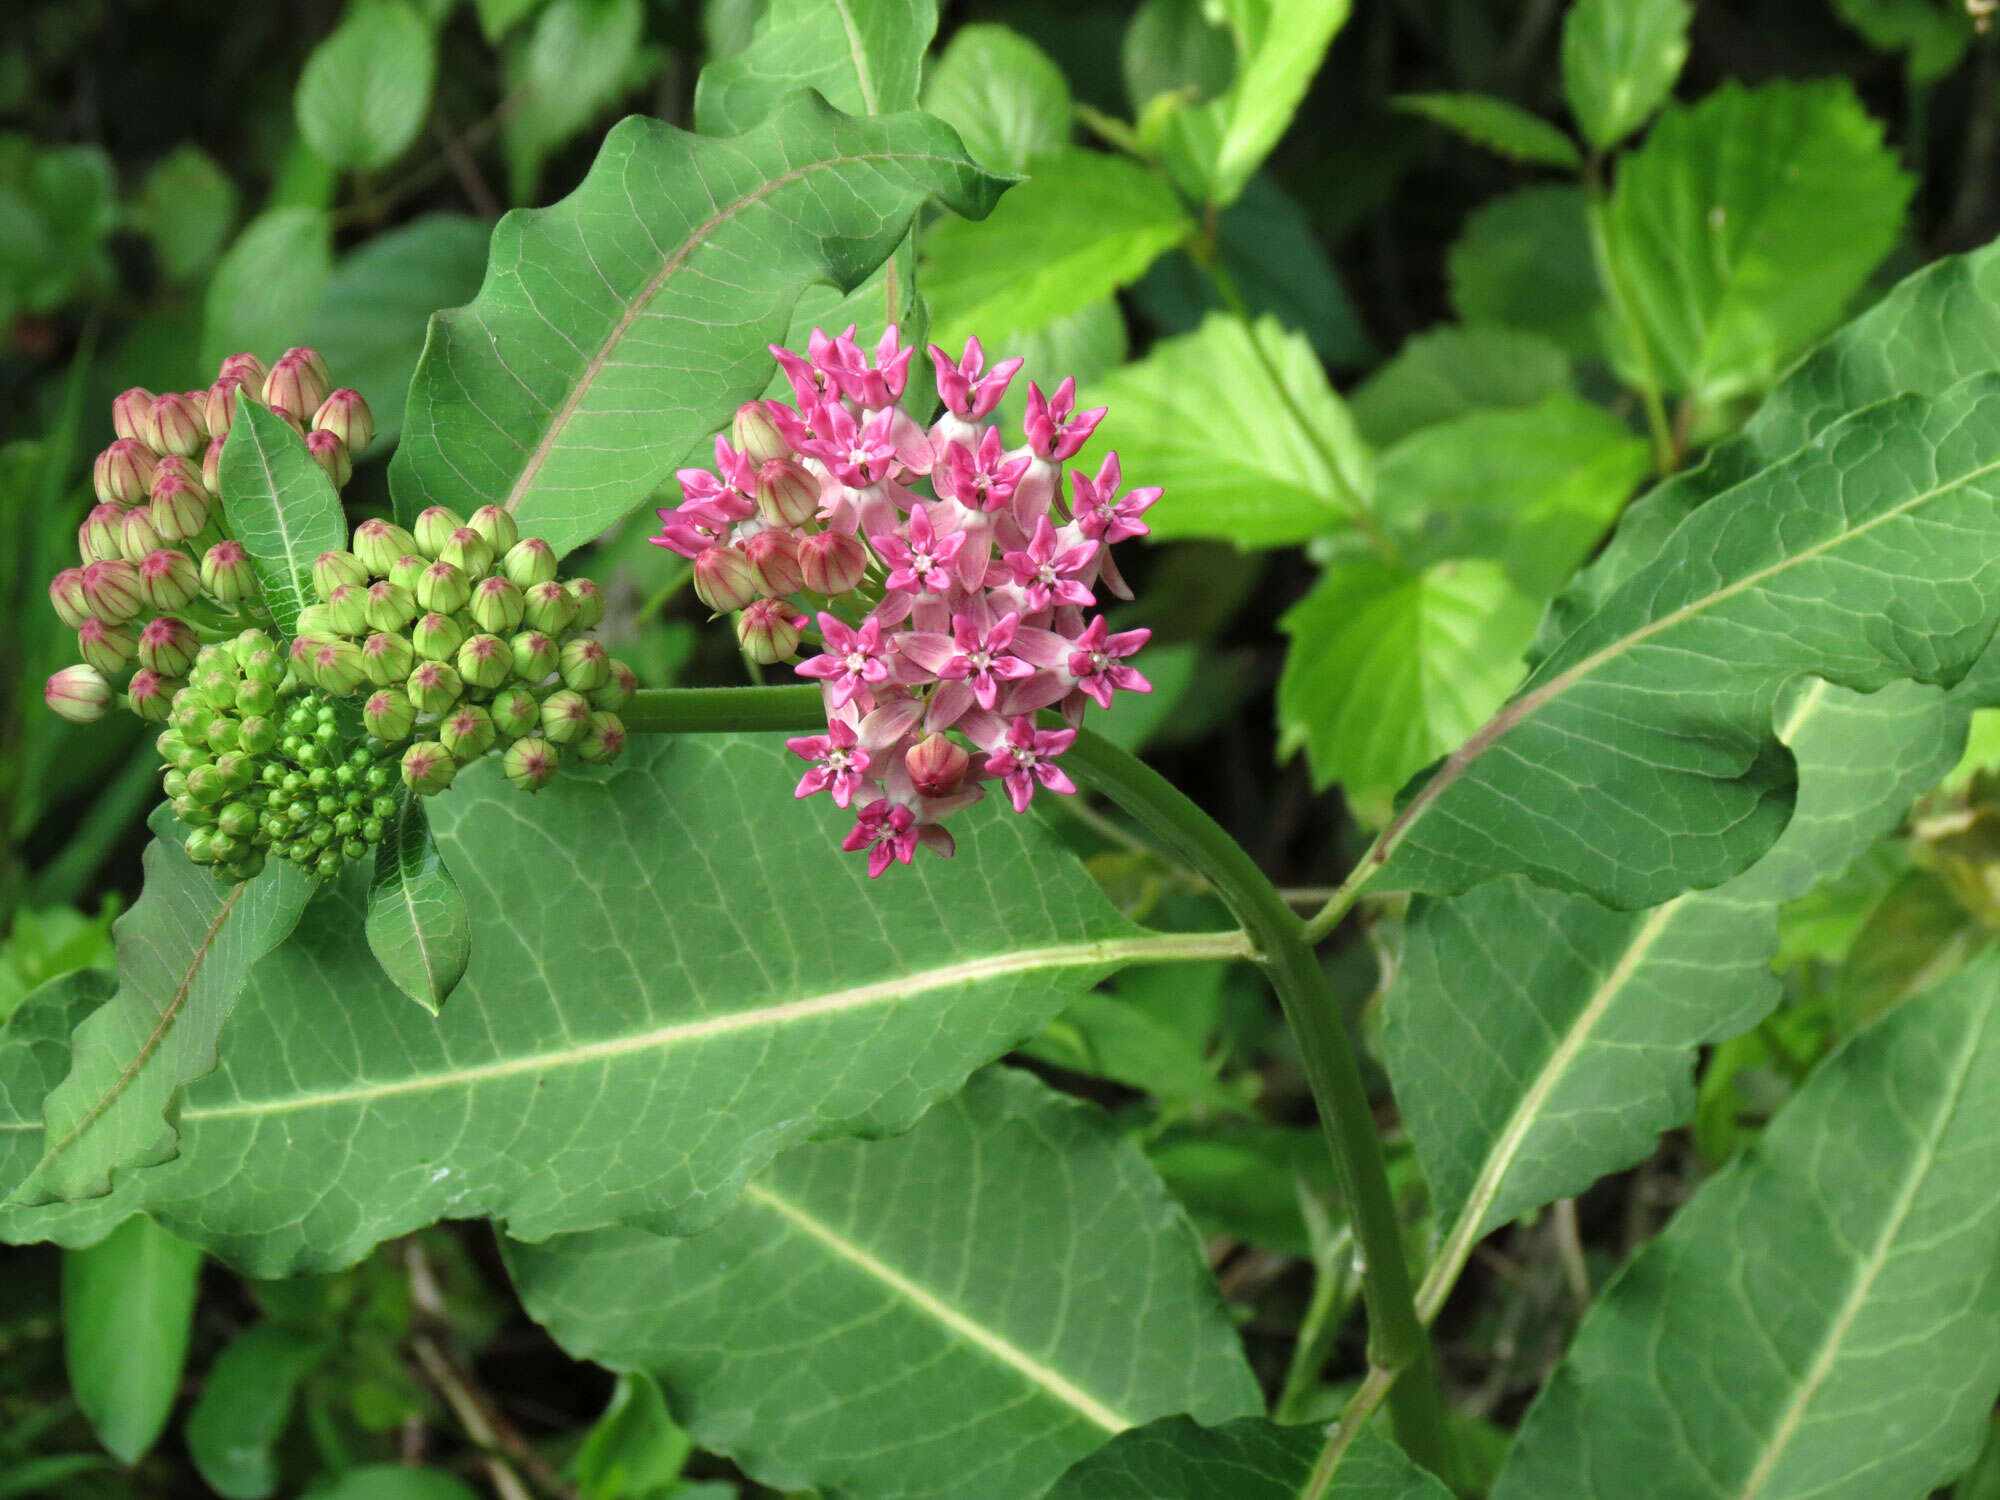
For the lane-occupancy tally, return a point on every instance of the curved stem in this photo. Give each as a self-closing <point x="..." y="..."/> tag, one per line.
<point x="1399" y="1349"/>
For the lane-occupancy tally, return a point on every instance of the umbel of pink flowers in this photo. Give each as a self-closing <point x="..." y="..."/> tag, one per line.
<point x="950" y="581"/>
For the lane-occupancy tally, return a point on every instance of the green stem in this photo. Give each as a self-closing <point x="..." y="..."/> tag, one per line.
<point x="1397" y="1342"/>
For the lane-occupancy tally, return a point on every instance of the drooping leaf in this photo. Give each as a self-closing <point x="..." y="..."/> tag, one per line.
<point x="1619" y="62"/>
<point x="187" y="209"/>
<point x="366" y="89"/>
<point x="1250" y="1459"/>
<point x="1448" y="371"/>
<point x="128" y="1303"/>
<point x="1744" y="224"/>
<point x="1497" y="125"/>
<point x="185" y="950"/>
<point x="651" y="1013"/>
<point x="630" y="319"/>
<point x="1935" y="35"/>
<point x="281" y="507"/>
<point x="965" y="1309"/>
<point x="1008" y="102"/>
<point x="245" y="1402"/>
<point x="1639" y="759"/>
<point x="1083" y="225"/>
<point x="268" y="283"/>
<point x="1822" y="1319"/>
<point x="1243" y="457"/>
<point x="1524" y="261"/>
<point x="864" y="56"/>
<point x="417" y="925"/>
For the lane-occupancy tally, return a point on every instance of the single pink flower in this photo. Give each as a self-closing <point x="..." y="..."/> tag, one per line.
<point x="888" y="831"/>
<point x="969" y="390"/>
<point x="858" y="455"/>
<point x="1047" y="575"/>
<point x="920" y="559"/>
<point x="853" y="659"/>
<point x="838" y="762"/>
<point x="871" y="386"/>
<point x="1106" y="519"/>
<point x="981" y="658"/>
<point x="982" y="480"/>
<point x="1055" y="428"/>
<point x="1097" y="662"/>
<point x="1028" y="757"/>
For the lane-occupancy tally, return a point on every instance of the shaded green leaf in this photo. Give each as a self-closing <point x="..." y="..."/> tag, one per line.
<point x="1933" y="33"/>
<point x="1245" y="1181"/>
<point x="282" y="508"/>
<point x="1447" y="371"/>
<point x="365" y="90"/>
<point x="1251" y="1459"/>
<point x="187" y="208"/>
<point x="233" y="1431"/>
<point x="393" y="1482"/>
<point x="128" y="1303"/>
<point x="572" y="64"/>
<point x="1003" y="96"/>
<point x="498" y="17"/>
<point x="1619" y="62"/>
<point x="1497" y="125"/>
<point x="265" y="288"/>
<point x="1175" y="46"/>
<point x="967" y="1308"/>
<point x="1524" y="261"/>
<point x="620" y="325"/>
<point x="634" y="1448"/>
<point x="864" y="56"/>
<point x="417" y="925"/>
<point x="1107" y="1036"/>
<point x="1914" y="936"/>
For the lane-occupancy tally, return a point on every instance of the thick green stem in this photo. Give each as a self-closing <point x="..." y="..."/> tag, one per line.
<point x="1399" y="1349"/>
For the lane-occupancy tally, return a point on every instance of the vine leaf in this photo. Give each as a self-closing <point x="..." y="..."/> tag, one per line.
<point x="624" y="323"/>
<point x="864" y="56"/>
<point x="675" y="975"/>
<point x="281" y="506"/>
<point x="184" y="951"/>
<point x="965" y="1309"/>
<point x="1249" y="1459"/>
<point x="1822" y="1319"/>
<point x="417" y="926"/>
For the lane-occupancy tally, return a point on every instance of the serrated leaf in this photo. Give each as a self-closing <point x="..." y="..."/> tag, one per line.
<point x="417" y="926"/>
<point x="185" y="950"/>
<point x="1822" y="1319"/>
<point x="630" y="319"/>
<point x="267" y="284"/>
<point x="1083" y="225"/>
<point x="1619" y="61"/>
<point x="282" y="508"/>
<point x="1498" y="125"/>
<point x="1639" y="759"/>
<point x="1448" y="371"/>
<point x="1008" y="102"/>
<point x="1249" y="1459"/>
<point x="127" y="1306"/>
<point x="1524" y="261"/>
<point x="245" y="1402"/>
<point x="1011" y="1257"/>
<point x="864" y="56"/>
<point x="186" y="208"/>
<point x="365" y="90"/>
<point x="1745" y="223"/>
<point x="651" y="1013"/>
<point x="1242" y="457"/>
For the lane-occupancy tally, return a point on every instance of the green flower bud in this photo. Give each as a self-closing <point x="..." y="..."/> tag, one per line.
<point x="330" y="453"/>
<point x="528" y="562"/>
<point x="497" y="605"/>
<point x="167" y="645"/>
<point x="443" y="587"/>
<point x="387" y="658"/>
<point x="407" y="569"/>
<point x="137" y="535"/>
<point x="428" y="768"/>
<point x="530" y="763"/>
<point x="434" y="528"/>
<point x="80" y="694"/>
<point x="549" y="608"/>
<point x="589" y="601"/>
<point x="295" y="388"/>
<point x="620" y="683"/>
<point x="257" y="735"/>
<point x="176" y="752"/>
<point x="129" y="410"/>
<point x="433" y="688"/>
<point x="534" y="656"/>
<point x="211" y="467"/>
<point x="237" y="819"/>
<point x="179" y="508"/>
<point x="497" y="526"/>
<point x="388" y="715"/>
<point x="604" y="740"/>
<point x="332" y="569"/>
<point x="102" y="534"/>
<point x="222" y="734"/>
<point x="200" y="846"/>
<point x="207" y="784"/>
<point x="347" y="417"/>
<point x="255" y="697"/>
<point x="467" y="732"/>
<point x="468" y="551"/>
<point x="214" y="685"/>
<point x="767" y="630"/>
<point x="438" y="637"/>
<point x="314" y="620"/>
<point x="108" y="648"/>
<point x="226" y="573"/>
<point x="66" y="594"/>
<point x="347" y="609"/>
<point x="177" y="423"/>
<point x="238" y="770"/>
<point x="168" y="578"/>
<point x="787" y="494"/>
<point x="515" y="712"/>
<point x="752" y="432"/>
<point x="218" y="406"/>
<point x="123" y="473"/>
<point x="583" y="664"/>
<point x="265" y="665"/>
<point x="485" y="661"/>
<point x="379" y="543"/>
<point x="111" y="589"/>
<point x="174" y="783"/>
<point x="390" y="606"/>
<point x="565" y="716"/>
<point x="303" y="647"/>
<point x="339" y="667"/>
<point x="725" y="579"/>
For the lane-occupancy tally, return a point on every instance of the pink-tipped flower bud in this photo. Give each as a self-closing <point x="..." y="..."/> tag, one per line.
<point x="428" y="768"/>
<point x="168" y="645"/>
<point x="347" y="609"/>
<point x="407" y="569"/>
<point x="138" y="536"/>
<point x="467" y="732"/>
<point x="434" y="527"/>
<point x="547" y="607"/>
<point x="589" y="601"/>
<point x="168" y="578"/>
<point x="129" y="410"/>
<point x="211" y="467"/>
<point x="831" y="562"/>
<point x="389" y="606"/>
<point x="497" y="606"/>
<point x="387" y="658"/>
<point x="179" y="509"/>
<point x="80" y="694"/>
<point x="534" y="655"/>
<point x="123" y="473"/>
<point x="66" y="594"/>
<point x="226" y="573"/>
<point x="437" y="637"/>
<point x="338" y="666"/>
<point x="347" y="417"/>
<point x="620" y="683"/>
<point x="296" y="389"/>
<point x="443" y="587"/>
<point x="565" y="716"/>
<point x="108" y="648"/>
<point x="603" y="740"/>
<point x="378" y="543"/>
<point x="433" y="687"/>
<point x="150" y="695"/>
<point x="388" y="716"/>
<point x="767" y="630"/>
<point x="247" y="368"/>
<point x="515" y="712"/>
<point x="530" y="763"/>
<point x="102" y="533"/>
<point x="755" y="435"/>
<point x="485" y="661"/>
<point x="301" y="652"/>
<point x="528" y="562"/>
<point x="330" y="453"/>
<point x="937" y="766"/>
<point x="311" y="358"/>
<point x="786" y="494"/>
<point x="724" y="579"/>
<point x="218" y="407"/>
<point x="175" y="424"/>
<point x="775" y="557"/>
<point x="333" y="568"/>
<point x="111" y="590"/>
<point x="468" y="551"/>
<point x="498" y="527"/>
<point x="583" y="664"/>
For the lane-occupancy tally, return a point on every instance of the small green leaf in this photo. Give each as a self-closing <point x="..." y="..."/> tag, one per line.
<point x="187" y="208"/>
<point x="574" y="63"/>
<point x="365" y="90"/>
<point x="1176" y="47"/>
<point x="1447" y="372"/>
<point x="1083" y="225"/>
<point x="1619" y="61"/>
<point x="634" y="1448"/>
<point x="1103" y="1036"/>
<point x="1498" y="126"/>
<point x="1915" y="935"/>
<point x="417" y="925"/>
<point x="1524" y="261"/>
<point x="128" y="1303"/>
<point x="233" y="1431"/>
<point x="1935" y="33"/>
<point x="863" y="56"/>
<point x="1003" y="96"/>
<point x="393" y="1482"/>
<point x="1245" y="1180"/>
<point x="266" y="287"/>
<point x="1251" y="1459"/>
<point x="282" y="507"/>
<point x="498" y="17"/>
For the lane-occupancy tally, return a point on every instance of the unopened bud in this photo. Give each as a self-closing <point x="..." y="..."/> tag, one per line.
<point x="102" y="534"/>
<point x="150" y="695"/>
<point x="138" y="536"/>
<point x="786" y="493"/>
<point x="347" y="609"/>
<point x="528" y="562"/>
<point x="724" y="580"/>
<point x="167" y="645"/>
<point x="565" y="716"/>
<point x="620" y="683"/>
<point x="175" y="425"/>
<point x="515" y="712"/>
<point x="106" y="647"/>
<point x="247" y="368"/>
<point x="467" y="732"/>
<point x="407" y="569"/>
<point x="111" y="589"/>
<point x="387" y="658"/>
<point x="434" y="528"/>
<point x="80" y="694"/>
<point x="129" y="410"/>
<point x="179" y="509"/>
<point x="332" y="569"/>
<point x="443" y="587"/>
<point x="534" y="655"/>
<point x="433" y="687"/>
<point x="66" y="594"/>
<point x="390" y="606"/>
<point x="832" y="562"/>
<point x="583" y="664"/>
<point x="211" y="467"/>
<point x="499" y="528"/>
<point x="388" y="715"/>
<point x="295" y="388"/>
<point x="497" y="606"/>
<point x="468" y="551"/>
<point x="768" y="631"/>
<point x="330" y="453"/>
<point x="549" y="608"/>
<point x="310" y="357"/>
<point x="604" y="740"/>
<point x="428" y="768"/>
<point x="937" y="766"/>
<point x="775" y="556"/>
<point x="219" y="407"/>
<point x="752" y="432"/>
<point x="437" y="637"/>
<point x="226" y="573"/>
<point x="347" y="417"/>
<point x="123" y="472"/>
<point x="338" y="666"/>
<point x="378" y="543"/>
<point x="589" y="601"/>
<point x="485" y="661"/>
<point x="168" y="578"/>
<point x="530" y="763"/>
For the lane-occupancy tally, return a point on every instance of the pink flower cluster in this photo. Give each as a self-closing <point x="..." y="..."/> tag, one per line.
<point x="949" y="579"/>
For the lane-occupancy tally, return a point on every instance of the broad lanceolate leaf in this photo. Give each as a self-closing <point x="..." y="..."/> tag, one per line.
<point x="184" y="951"/>
<point x="1744" y="224"/>
<point x="1822" y="1319"/>
<point x="1083" y="225"/>
<point x="1242" y="457"/>
<point x="625" y="322"/>
<point x="1497" y="125"/>
<point x="282" y="508"/>
<point x="966" y="1309"/>
<point x="1008" y="102"/>
<point x="1619" y="61"/>
<point x="1639" y="760"/>
<point x="366" y="89"/>
<point x="1251" y="1459"/>
<point x="417" y="925"/>
<point x="1525" y="261"/>
<point x="651" y="1013"/>
<point x="1538" y="1040"/>
<point x="128" y="1303"/>
<point x="246" y="1401"/>
<point x="864" y="56"/>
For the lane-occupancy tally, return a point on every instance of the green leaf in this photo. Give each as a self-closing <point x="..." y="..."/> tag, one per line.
<point x="1744" y="224"/>
<point x="1449" y="371"/>
<point x="863" y="56"/>
<point x="1389" y="668"/>
<point x="1497" y="125"/>
<point x="1082" y="226"/>
<point x="369" y="326"/>
<point x="1246" y="1181"/>
<point x="1524" y="261"/>
<point x="965" y="1309"/>
<point x="1104" y="1036"/>
<point x="185" y="950"/>
<point x="1934" y="34"/>
<point x="651" y="1013"/>
<point x="1250" y="1459"/>
<point x="634" y="1448"/>
<point x="282" y="508"/>
<point x="1639" y="760"/>
<point x="1914" y="936"/>
<point x="1822" y="1319"/>
<point x="498" y="17"/>
<point x="393" y="1482"/>
<point x="1003" y="96"/>
<point x="128" y="1303"/>
<point x="233" y="1431"/>
<point x="1538" y="1041"/>
<point x="417" y="925"/>
<point x="619" y="326"/>
<point x="187" y="209"/>
<point x="1243" y="457"/>
<point x="1176" y="46"/>
<point x="1619" y="62"/>
<point x="572" y="65"/>
<point x="365" y="90"/>
<point x="265" y="289"/>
